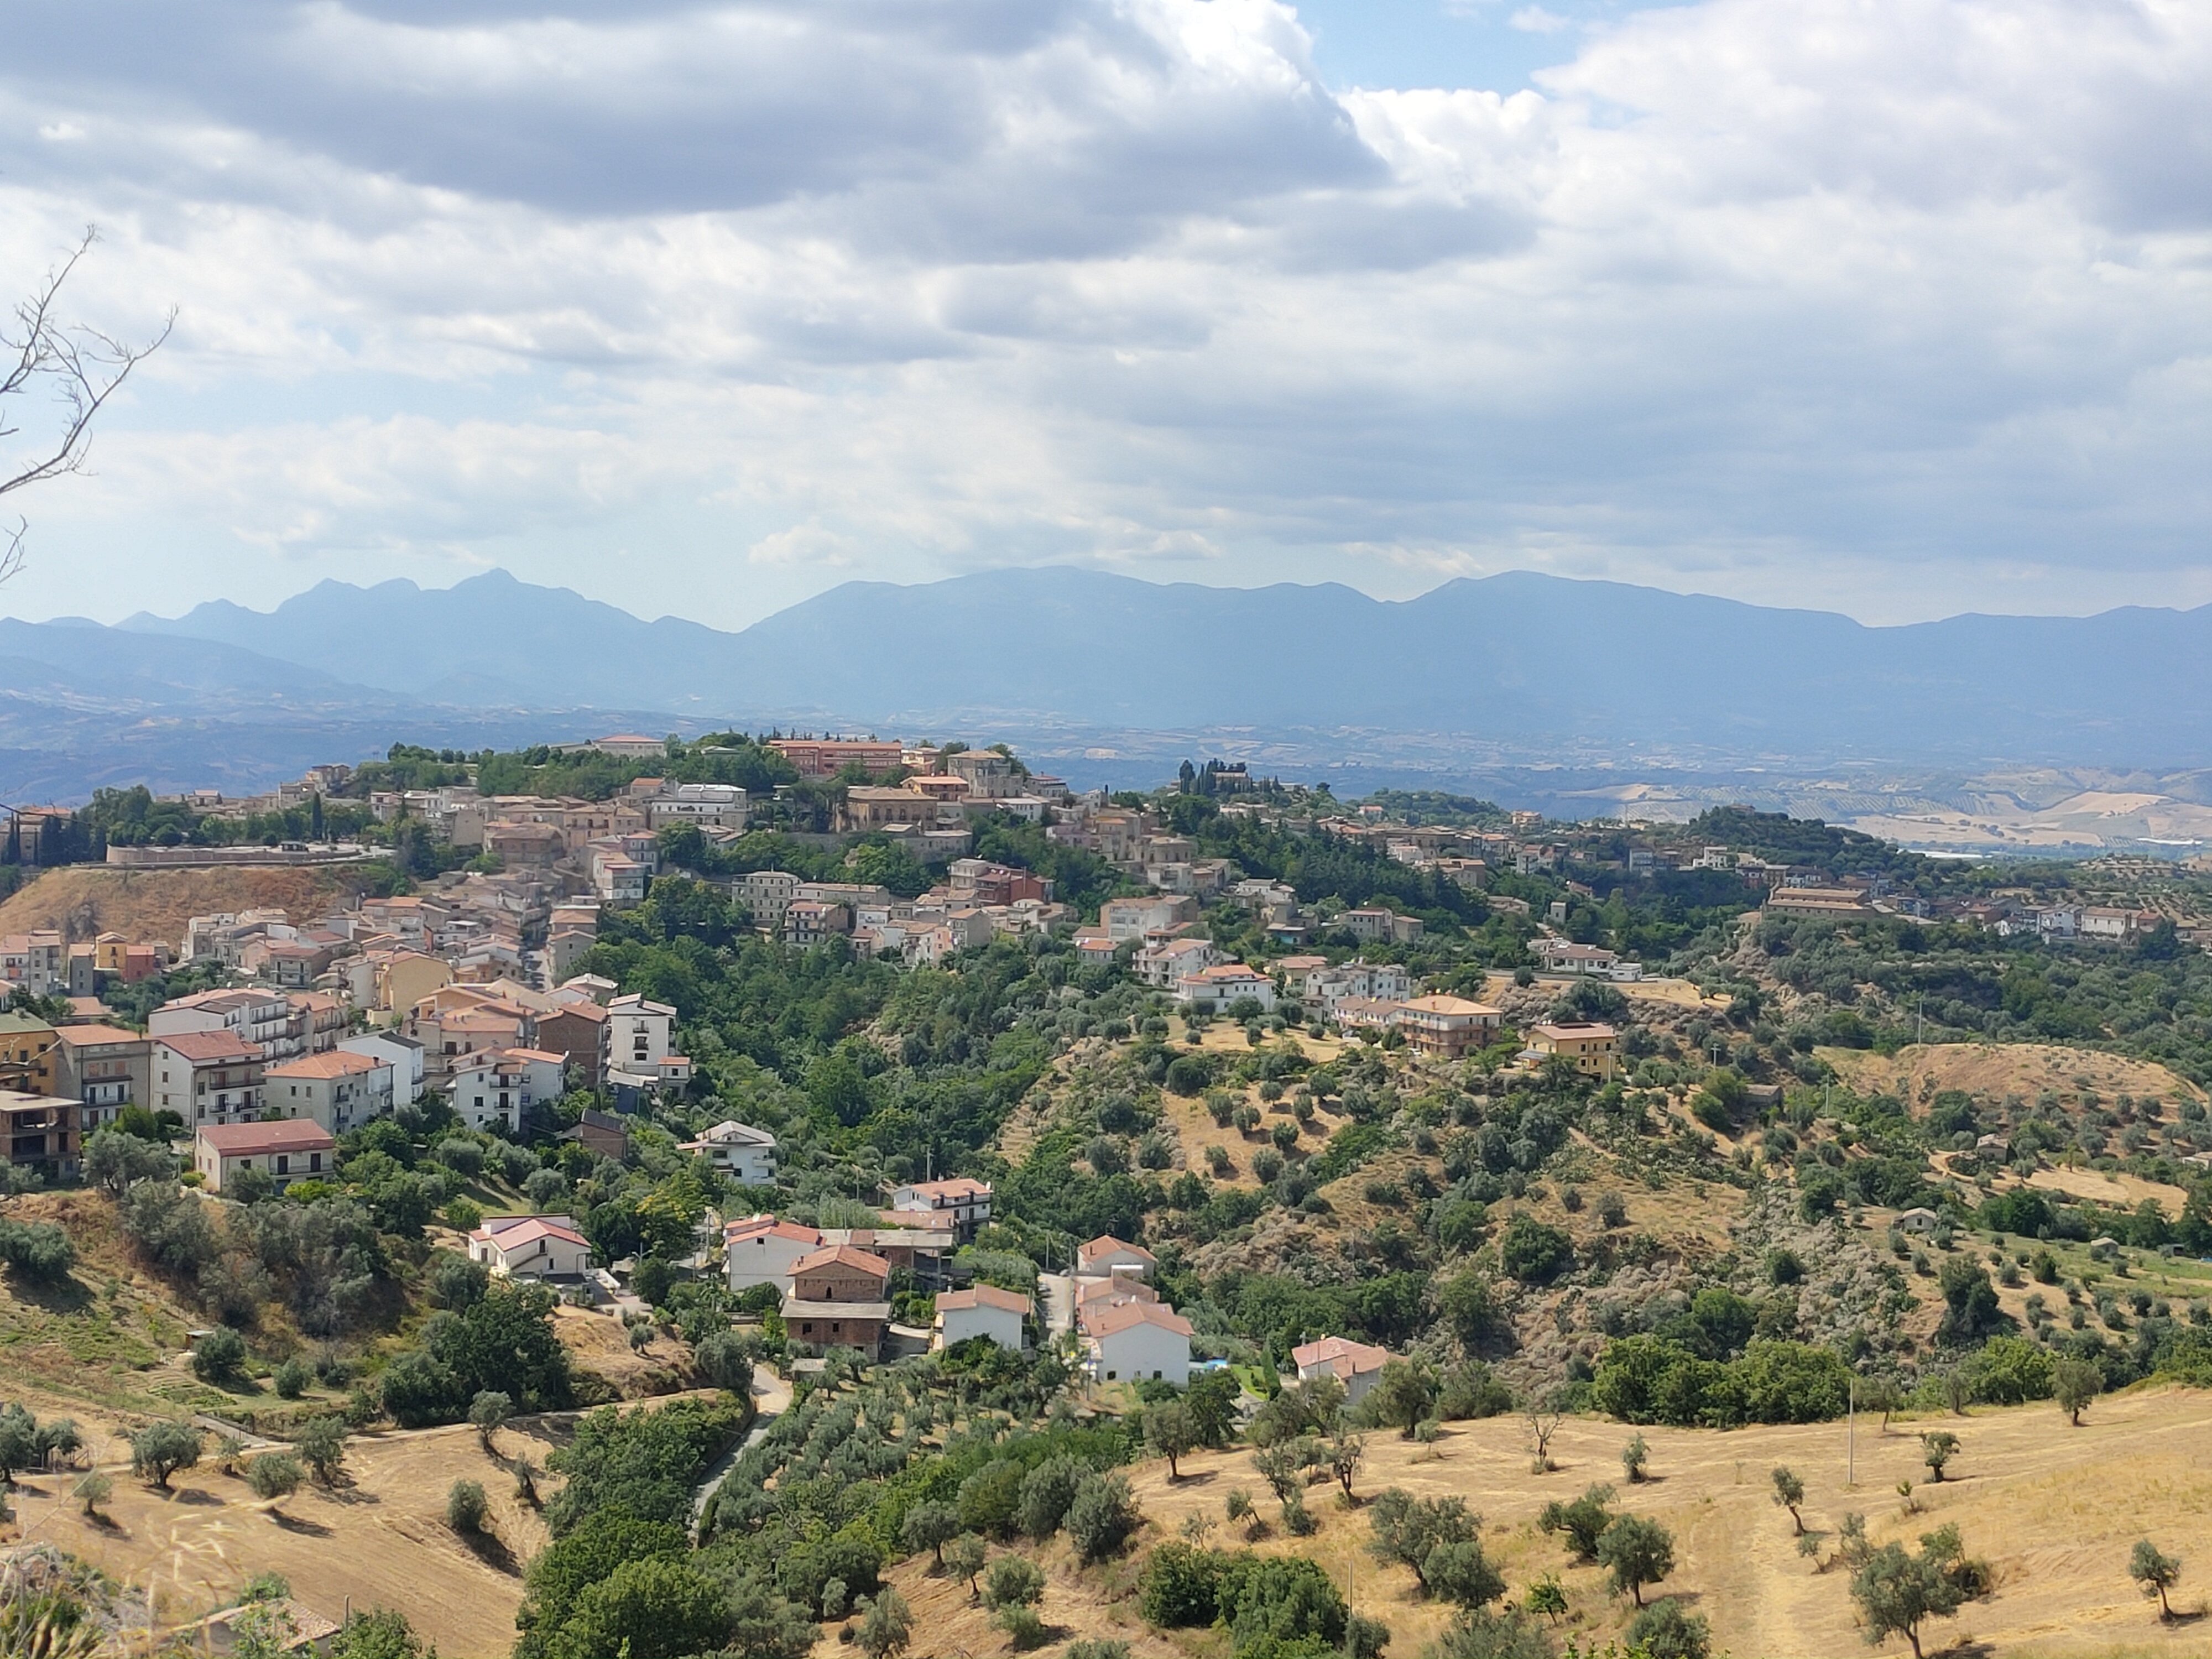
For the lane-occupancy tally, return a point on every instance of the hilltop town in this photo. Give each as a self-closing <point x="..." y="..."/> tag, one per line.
<point x="754" y="1195"/>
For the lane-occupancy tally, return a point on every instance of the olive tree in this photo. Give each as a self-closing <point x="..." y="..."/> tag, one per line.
<point x="2156" y="1571"/>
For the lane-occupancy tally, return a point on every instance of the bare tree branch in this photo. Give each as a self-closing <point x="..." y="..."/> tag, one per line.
<point x="82" y="368"/>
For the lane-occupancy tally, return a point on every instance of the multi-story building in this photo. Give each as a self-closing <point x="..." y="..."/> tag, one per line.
<point x="39" y="1134"/>
<point x="287" y="1152"/>
<point x="766" y="894"/>
<point x="402" y="1054"/>
<point x="261" y="1018"/>
<point x="739" y="1150"/>
<point x="103" y="1068"/>
<point x="1593" y="1048"/>
<point x="207" y="1077"/>
<point x="1445" y="1027"/>
<point x="27" y="1054"/>
<point x="825" y="758"/>
<point x="496" y="1091"/>
<point x="961" y="1201"/>
<point x="38" y="961"/>
<point x="340" y="1091"/>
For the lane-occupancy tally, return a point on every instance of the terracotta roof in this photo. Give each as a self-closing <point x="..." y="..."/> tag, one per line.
<point x="1120" y="1318"/>
<point x="1444" y="1004"/>
<point x="768" y="1226"/>
<point x="983" y="1296"/>
<point x="338" y="1062"/>
<point x="843" y="1255"/>
<point x="85" y="1035"/>
<point x="1107" y="1244"/>
<point x="523" y="1232"/>
<point x="1341" y="1355"/>
<point x="292" y="1135"/>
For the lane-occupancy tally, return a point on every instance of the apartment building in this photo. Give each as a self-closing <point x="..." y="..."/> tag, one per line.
<point x="207" y="1077"/>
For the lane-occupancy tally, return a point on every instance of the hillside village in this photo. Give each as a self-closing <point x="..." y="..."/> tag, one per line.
<point x="764" y="1196"/>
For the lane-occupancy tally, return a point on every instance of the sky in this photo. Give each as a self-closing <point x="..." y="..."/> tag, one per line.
<point x="1895" y="308"/>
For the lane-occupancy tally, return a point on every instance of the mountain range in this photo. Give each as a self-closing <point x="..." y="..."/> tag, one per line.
<point x="1520" y="668"/>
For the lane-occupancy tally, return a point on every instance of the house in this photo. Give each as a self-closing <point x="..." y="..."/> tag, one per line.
<point x="743" y="1153"/>
<point x="980" y="1310"/>
<point x="600" y="1134"/>
<point x="720" y="804"/>
<point x="840" y="1272"/>
<point x="1294" y="970"/>
<point x="1817" y="901"/>
<point x="339" y="1090"/>
<point x="207" y="1077"/>
<point x="581" y="1031"/>
<point x="1563" y="956"/>
<point x="1133" y="918"/>
<point x="964" y="1201"/>
<point x="766" y="894"/>
<point x="1593" y="1048"/>
<point x="406" y="978"/>
<point x="763" y="1250"/>
<point x="1093" y="1296"/>
<point x="27" y="1059"/>
<point x="103" y="1068"/>
<point x="1140" y="1339"/>
<point x="640" y="1033"/>
<point x="497" y="1089"/>
<point x="1164" y="962"/>
<point x="825" y="758"/>
<point x="1225" y="982"/>
<point x="810" y="921"/>
<point x="1107" y="1255"/>
<point x="1917" y="1221"/>
<point x="262" y="1018"/>
<point x="1446" y="1028"/>
<point x="1355" y="1364"/>
<point x="837" y="1299"/>
<point x="1376" y="926"/>
<point x="535" y="1247"/>
<point x="295" y="1149"/>
<point x="403" y="1054"/>
<point x="41" y="1134"/>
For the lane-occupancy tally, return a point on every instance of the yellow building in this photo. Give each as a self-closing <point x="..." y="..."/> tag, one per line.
<point x="1593" y="1048"/>
<point x="27" y="1054"/>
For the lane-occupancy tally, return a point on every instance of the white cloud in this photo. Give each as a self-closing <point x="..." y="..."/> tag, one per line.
<point x="1898" y="306"/>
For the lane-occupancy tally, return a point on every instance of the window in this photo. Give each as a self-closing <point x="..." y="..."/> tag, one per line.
<point x="283" y="1163"/>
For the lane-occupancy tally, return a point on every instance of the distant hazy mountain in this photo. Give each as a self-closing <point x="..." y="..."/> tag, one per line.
<point x="1519" y="662"/>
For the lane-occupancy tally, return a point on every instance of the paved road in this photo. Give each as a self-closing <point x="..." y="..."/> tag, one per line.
<point x="773" y="1395"/>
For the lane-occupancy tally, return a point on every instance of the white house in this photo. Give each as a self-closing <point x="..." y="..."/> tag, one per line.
<point x="721" y="806"/>
<point x="743" y="1153"/>
<point x="1224" y="983"/>
<point x="339" y="1090"/>
<point x="295" y="1150"/>
<point x="1107" y="1255"/>
<point x="1355" y="1364"/>
<point x="402" y="1054"/>
<point x="1917" y="1221"/>
<point x="979" y="1310"/>
<point x="496" y="1089"/>
<point x="1163" y="963"/>
<point x="1136" y="1339"/>
<point x="761" y="1250"/>
<point x="962" y="1201"/>
<point x="530" y="1247"/>
<point x="640" y="1034"/>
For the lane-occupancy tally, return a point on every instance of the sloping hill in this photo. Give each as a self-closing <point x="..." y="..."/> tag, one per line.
<point x="156" y="904"/>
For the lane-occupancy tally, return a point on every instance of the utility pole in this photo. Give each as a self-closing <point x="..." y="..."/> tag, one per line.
<point x="1851" y="1432"/>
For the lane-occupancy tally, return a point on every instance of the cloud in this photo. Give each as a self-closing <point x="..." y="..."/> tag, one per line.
<point x="1894" y="304"/>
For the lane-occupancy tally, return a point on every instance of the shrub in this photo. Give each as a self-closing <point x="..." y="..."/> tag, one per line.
<point x="275" y="1475"/>
<point x="1047" y="1493"/>
<point x="1584" y="1520"/>
<point x="37" y="1249"/>
<point x="290" y="1379"/>
<point x="1103" y="1517"/>
<point x="1665" y="1630"/>
<point x="1180" y="1586"/>
<point x="1487" y="1633"/>
<point x="217" y="1356"/>
<point x="321" y="1441"/>
<point x="465" y="1506"/>
<point x="1533" y="1251"/>
<point x="1014" y="1581"/>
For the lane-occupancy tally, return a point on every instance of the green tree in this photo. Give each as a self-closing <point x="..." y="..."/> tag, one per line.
<point x="466" y="1506"/>
<point x="1583" y="1520"/>
<point x="1403" y="1394"/>
<point x="559" y="1574"/>
<point x="1637" y="1552"/>
<point x="931" y="1526"/>
<point x="1790" y="1494"/>
<point x="1170" y="1432"/>
<point x="19" y="1441"/>
<point x="274" y="1476"/>
<point x="383" y="1633"/>
<point x="656" y="1609"/>
<point x="290" y="1379"/>
<point x="2156" y="1571"/>
<point x="1461" y="1573"/>
<point x="116" y="1162"/>
<point x="488" y="1412"/>
<point x="1012" y="1581"/>
<point x="2073" y="1384"/>
<point x="93" y="1490"/>
<point x="1103" y="1515"/>
<point x="888" y="1626"/>
<point x="1409" y="1530"/>
<point x="1494" y="1633"/>
<point x="321" y="1441"/>
<point x="1937" y="1448"/>
<point x="1897" y="1592"/>
<point x="218" y="1356"/>
<point x="1633" y="1456"/>
<point x="964" y="1558"/>
<point x="1667" y="1629"/>
<point x="1547" y="1597"/>
<point x="160" y="1450"/>
<point x="723" y="1361"/>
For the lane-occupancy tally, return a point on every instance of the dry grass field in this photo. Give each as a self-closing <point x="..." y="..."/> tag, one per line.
<point x="1993" y="1070"/>
<point x="379" y="1539"/>
<point x="2053" y="1509"/>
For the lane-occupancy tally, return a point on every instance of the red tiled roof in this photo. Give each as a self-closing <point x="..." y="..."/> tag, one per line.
<point x="292" y="1135"/>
